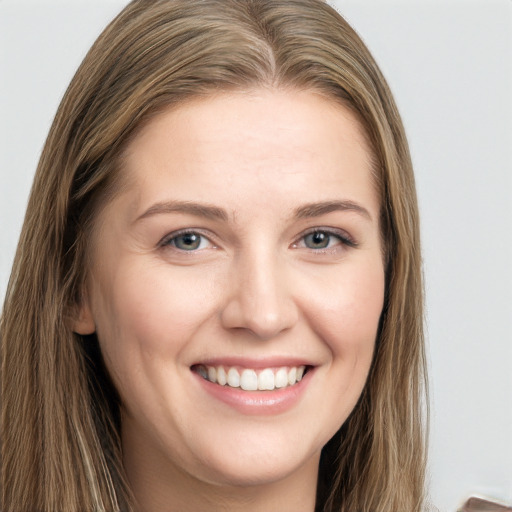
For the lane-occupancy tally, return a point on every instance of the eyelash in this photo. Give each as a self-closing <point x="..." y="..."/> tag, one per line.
<point x="342" y="236"/>
<point x="170" y="240"/>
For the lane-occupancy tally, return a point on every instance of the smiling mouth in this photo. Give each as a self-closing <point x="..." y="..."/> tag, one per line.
<point x="266" y="379"/>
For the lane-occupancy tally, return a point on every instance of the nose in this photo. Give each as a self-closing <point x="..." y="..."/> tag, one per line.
<point x="260" y="298"/>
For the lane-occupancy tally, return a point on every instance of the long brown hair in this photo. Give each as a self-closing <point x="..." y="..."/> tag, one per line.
<point x="60" y="418"/>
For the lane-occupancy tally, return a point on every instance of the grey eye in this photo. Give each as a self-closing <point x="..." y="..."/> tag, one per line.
<point x="187" y="241"/>
<point x="317" y="240"/>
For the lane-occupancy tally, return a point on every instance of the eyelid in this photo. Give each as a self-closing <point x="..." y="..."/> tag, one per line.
<point x="344" y="237"/>
<point x="164" y="242"/>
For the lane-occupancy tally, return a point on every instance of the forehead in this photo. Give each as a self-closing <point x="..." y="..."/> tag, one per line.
<point x="284" y="141"/>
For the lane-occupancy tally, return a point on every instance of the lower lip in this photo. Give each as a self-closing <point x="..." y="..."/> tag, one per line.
<point x="258" y="402"/>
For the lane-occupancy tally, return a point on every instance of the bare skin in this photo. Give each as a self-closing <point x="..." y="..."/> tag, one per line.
<point x="246" y="238"/>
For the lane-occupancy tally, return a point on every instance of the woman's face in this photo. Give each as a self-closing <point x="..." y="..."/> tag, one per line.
<point x="243" y="247"/>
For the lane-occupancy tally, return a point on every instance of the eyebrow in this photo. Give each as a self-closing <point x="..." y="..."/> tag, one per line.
<point x="208" y="211"/>
<point x="325" y="207"/>
<point x="197" y="209"/>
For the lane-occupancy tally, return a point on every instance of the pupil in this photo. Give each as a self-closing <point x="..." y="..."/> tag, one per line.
<point x="318" y="238"/>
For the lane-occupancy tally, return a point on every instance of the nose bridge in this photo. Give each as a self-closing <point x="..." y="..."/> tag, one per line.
<point x="261" y="300"/>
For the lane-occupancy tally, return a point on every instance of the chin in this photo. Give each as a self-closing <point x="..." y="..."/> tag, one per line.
<point x="254" y="464"/>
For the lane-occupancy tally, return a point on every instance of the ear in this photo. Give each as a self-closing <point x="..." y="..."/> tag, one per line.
<point x="83" y="321"/>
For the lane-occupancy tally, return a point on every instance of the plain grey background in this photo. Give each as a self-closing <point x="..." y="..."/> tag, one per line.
<point x="449" y="64"/>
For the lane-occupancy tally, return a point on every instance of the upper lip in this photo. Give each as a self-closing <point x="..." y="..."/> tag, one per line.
<point x="256" y="363"/>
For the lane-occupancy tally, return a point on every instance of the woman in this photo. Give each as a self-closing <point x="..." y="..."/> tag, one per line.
<point x="216" y="301"/>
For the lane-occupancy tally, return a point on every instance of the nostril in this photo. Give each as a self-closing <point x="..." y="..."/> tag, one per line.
<point x="264" y="321"/>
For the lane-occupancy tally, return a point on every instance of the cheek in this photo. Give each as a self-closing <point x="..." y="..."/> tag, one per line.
<point x="145" y="314"/>
<point x="151" y="306"/>
<point x="146" y="318"/>
<point x="346" y="310"/>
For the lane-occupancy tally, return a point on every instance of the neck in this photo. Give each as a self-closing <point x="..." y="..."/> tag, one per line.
<point x="214" y="498"/>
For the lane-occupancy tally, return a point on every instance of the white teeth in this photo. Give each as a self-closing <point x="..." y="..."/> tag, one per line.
<point x="282" y="378"/>
<point x="221" y="376"/>
<point x="233" y="378"/>
<point x="249" y="380"/>
<point x="268" y="379"/>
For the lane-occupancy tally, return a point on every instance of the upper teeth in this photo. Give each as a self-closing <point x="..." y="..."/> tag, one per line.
<point x="249" y="380"/>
